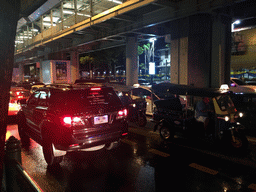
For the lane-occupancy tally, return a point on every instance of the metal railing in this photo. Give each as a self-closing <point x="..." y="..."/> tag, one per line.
<point x="68" y="23"/>
<point x="15" y="177"/>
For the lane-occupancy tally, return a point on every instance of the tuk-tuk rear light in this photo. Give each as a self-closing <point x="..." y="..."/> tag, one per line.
<point x="226" y="118"/>
<point x="240" y="115"/>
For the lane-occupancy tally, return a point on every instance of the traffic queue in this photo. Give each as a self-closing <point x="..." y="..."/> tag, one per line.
<point x="211" y="115"/>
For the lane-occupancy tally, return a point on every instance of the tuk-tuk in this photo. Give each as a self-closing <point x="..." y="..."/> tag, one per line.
<point x="136" y="108"/>
<point x="171" y="116"/>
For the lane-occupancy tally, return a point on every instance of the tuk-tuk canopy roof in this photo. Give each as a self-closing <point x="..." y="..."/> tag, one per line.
<point x="185" y="90"/>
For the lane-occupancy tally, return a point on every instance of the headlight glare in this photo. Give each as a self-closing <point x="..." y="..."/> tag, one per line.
<point x="226" y="118"/>
<point x="240" y="114"/>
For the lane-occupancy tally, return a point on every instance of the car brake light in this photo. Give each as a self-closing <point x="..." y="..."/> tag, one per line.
<point x="95" y="88"/>
<point x="67" y="120"/>
<point x="72" y="121"/>
<point x="122" y="114"/>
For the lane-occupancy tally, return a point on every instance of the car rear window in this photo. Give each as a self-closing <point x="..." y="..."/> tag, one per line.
<point x="86" y="97"/>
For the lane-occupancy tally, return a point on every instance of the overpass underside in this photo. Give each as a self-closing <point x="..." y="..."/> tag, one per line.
<point x="199" y="31"/>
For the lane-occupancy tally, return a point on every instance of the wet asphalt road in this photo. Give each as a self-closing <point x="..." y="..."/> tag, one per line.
<point x="143" y="162"/>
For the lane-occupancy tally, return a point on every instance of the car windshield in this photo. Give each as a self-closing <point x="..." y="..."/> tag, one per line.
<point x="19" y="92"/>
<point x="86" y="97"/>
<point x="225" y="103"/>
<point x="239" y="82"/>
<point x="164" y="94"/>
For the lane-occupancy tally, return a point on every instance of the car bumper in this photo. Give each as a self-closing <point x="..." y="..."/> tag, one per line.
<point x="13" y="109"/>
<point x="79" y="140"/>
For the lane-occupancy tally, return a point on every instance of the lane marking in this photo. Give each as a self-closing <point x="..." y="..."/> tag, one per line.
<point x="160" y="153"/>
<point x="129" y="142"/>
<point x="251" y="139"/>
<point x="252" y="186"/>
<point x="204" y="169"/>
<point x="138" y="131"/>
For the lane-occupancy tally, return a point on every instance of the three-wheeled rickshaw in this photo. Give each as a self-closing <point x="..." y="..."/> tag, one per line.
<point x="136" y="106"/>
<point x="171" y="117"/>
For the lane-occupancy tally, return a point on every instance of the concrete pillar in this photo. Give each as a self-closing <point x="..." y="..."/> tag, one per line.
<point x="221" y="50"/>
<point x="199" y="50"/>
<point x="41" y="70"/>
<point x="21" y="71"/>
<point x="131" y="61"/>
<point x="74" y="62"/>
<point x="179" y="51"/>
<point x="200" y="53"/>
<point x="61" y="14"/>
<point x="179" y="61"/>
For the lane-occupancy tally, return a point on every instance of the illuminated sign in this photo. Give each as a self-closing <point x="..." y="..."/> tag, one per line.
<point x="152" y="68"/>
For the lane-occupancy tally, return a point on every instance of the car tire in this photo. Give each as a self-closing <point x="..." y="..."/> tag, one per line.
<point x="25" y="141"/>
<point x="165" y="133"/>
<point x="49" y="155"/>
<point x="142" y="120"/>
<point x="240" y="144"/>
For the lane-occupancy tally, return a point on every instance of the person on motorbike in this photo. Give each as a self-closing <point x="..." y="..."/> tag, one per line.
<point x="203" y="108"/>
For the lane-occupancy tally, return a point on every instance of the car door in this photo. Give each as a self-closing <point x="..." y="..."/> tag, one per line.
<point x="40" y="111"/>
<point x="29" y="110"/>
<point x="148" y="96"/>
<point x="143" y="94"/>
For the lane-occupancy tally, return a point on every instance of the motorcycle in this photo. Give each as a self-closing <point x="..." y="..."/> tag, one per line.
<point x="136" y="109"/>
<point x="171" y="117"/>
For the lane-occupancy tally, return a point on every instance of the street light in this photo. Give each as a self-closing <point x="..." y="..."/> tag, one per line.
<point x="152" y="40"/>
<point x="233" y="25"/>
<point x="152" y="64"/>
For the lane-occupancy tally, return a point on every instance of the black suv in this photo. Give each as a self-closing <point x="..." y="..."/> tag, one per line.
<point x="76" y="118"/>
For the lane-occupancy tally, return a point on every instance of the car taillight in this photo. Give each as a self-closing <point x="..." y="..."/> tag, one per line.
<point x="67" y="120"/>
<point x="72" y="121"/>
<point x="95" y="88"/>
<point x="122" y="114"/>
<point x="19" y="95"/>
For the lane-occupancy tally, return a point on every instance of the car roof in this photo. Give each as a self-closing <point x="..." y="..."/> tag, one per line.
<point x="186" y="90"/>
<point x="13" y="88"/>
<point x="90" y="81"/>
<point x="70" y="87"/>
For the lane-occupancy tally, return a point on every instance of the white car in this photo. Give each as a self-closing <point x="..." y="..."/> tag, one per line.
<point x="16" y="94"/>
<point x="147" y="94"/>
<point x="238" y="86"/>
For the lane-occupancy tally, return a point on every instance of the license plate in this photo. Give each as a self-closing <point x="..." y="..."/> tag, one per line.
<point x="100" y="119"/>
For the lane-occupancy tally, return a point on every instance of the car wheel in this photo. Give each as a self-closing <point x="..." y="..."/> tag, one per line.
<point x="23" y="136"/>
<point x="238" y="142"/>
<point x="165" y="133"/>
<point x="49" y="156"/>
<point x="142" y="120"/>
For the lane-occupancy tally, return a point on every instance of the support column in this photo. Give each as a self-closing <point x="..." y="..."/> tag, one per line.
<point x="74" y="63"/>
<point x="200" y="50"/>
<point x="21" y="72"/>
<point x="221" y="50"/>
<point x="131" y="61"/>
<point x="179" y="51"/>
<point x="61" y="14"/>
